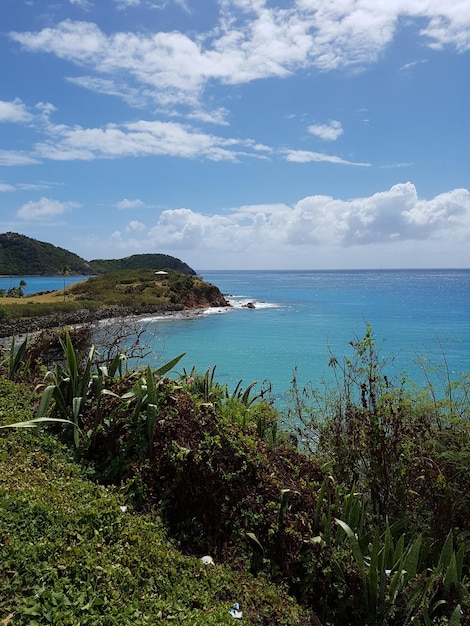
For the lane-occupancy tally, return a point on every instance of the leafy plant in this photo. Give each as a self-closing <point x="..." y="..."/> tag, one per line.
<point x="70" y="387"/>
<point x="17" y="363"/>
<point x="406" y="581"/>
<point x="145" y="397"/>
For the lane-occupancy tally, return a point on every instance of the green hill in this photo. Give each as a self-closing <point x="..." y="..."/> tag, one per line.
<point x="24" y="256"/>
<point x="141" y="262"/>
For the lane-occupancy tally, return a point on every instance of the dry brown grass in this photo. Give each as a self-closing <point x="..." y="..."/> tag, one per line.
<point x="53" y="296"/>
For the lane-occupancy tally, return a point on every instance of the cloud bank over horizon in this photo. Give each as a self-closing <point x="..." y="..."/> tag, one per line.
<point x="281" y="233"/>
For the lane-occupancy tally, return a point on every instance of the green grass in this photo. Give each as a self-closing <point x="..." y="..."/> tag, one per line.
<point x="70" y="555"/>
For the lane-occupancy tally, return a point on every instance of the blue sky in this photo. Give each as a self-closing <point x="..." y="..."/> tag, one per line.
<point x="238" y="134"/>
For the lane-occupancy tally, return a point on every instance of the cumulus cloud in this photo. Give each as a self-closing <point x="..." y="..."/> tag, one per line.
<point x="393" y="228"/>
<point x="328" y="132"/>
<point x="43" y="209"/>
<point x="385" y="218"/>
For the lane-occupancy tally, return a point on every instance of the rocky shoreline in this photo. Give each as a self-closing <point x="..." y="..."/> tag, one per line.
<point x="32" y="325"/>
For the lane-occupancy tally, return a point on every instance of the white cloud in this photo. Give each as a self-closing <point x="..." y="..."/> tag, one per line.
<point x="133" y="96"/>
<point x="217" y="116"/>
<point x="42" y="184"/>
<point x="141" y="138"/>
<point x="252" y="40"/>
<point x="129" y="204"/>
<point x="14" y="111"/>
<point x="84" y="4"/>
<point x="393" y="228"/>
<point x="4" y="187"/>
<point x="328" y="132"/>
<point x="306" y="156"/>
<point x="124" y="4"/>
<point x="135" y="226"/>
<point x="184" y="5"/>
<point x="13" y="157"/>
<point x="385" y="218"/>
<point x="409" y="66"/>
<point x="44" y="208"/>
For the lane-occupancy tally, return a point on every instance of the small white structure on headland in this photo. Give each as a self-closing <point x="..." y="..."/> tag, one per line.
<point x="161" y="274"/>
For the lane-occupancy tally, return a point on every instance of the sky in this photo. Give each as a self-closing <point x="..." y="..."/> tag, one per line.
<point x="239" y="134"/>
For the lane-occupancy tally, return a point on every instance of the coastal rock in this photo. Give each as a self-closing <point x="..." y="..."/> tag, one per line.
<point x="25" y="326"/>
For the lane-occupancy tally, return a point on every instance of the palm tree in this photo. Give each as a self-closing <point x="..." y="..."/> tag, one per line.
<point x="65" y="271"/>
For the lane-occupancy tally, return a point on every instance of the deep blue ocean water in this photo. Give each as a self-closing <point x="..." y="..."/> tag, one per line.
<point x="300" y="315"/>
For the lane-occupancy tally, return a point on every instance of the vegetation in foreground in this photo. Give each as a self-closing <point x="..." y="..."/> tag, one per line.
<point x="359" y="517"/>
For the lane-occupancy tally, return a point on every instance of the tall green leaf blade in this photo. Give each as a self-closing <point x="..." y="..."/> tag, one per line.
<point x="151" y="387"/>
<point x="71" y="358"/>
<point x="37" y="421"/>
<point x="357" y="553"/>
<point x="45" y="401"/>
<point x="395" y="585"/>
<point x="320" y="498"/>
<point x="285" y="496"/>
<point x="398" y="553"/>
<point x="455" y="618"/>
<point x="161" y="371"/>
<point x="374" y="574"/>
<point x="388" y="553"/>
<point x="446" y="553"/>
<point x="459" y="558"/>
<point x="451" y="577"/>
<point x="16" y="357"/>
<point x="411" y="559"/>
<point x="152" y="412"/>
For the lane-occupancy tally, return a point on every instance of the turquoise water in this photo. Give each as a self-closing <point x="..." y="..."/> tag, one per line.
<point x="300" y="315"/>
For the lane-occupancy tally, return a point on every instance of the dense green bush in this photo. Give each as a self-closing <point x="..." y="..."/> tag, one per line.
<point x="72" y="553"/>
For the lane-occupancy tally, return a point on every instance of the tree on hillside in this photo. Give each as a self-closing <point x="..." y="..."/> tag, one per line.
<point x="65" y="271"/>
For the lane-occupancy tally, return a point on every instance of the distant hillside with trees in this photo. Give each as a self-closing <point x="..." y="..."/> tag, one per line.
<point x="141" y="262"/>
<point x="24" y="256"/>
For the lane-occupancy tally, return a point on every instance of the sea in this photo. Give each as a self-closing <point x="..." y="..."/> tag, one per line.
<point x="298" y="320"/>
